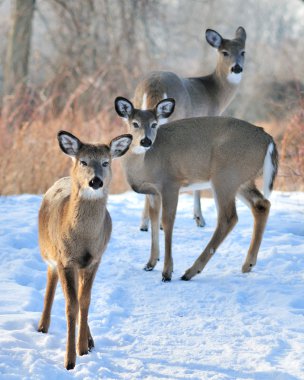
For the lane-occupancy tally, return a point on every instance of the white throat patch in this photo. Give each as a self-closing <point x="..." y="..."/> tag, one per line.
<point x="89" y="193"/>
<point x="139" y="150"/>
<point x="162" y="121"/>
<point x="234" y="78"/>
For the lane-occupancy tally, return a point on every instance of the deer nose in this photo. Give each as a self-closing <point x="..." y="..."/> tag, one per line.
<point x="237" y="69"/>
<point x="96" y="183"/>
<point x="146" y="142"/>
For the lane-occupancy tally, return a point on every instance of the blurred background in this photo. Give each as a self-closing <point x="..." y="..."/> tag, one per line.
<point x="63" y="62"/>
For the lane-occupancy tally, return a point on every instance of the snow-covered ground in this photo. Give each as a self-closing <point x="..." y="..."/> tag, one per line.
<point x="220" y="325"/>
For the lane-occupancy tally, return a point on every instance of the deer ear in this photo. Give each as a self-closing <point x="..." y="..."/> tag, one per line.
<point x="124" y="107"/>
<point x="240" y="33"/>
<point x="213" y="38"/>
<point x="120" y="145"/>
<point x="69" y="143"/>
<point x="165" y="108"/>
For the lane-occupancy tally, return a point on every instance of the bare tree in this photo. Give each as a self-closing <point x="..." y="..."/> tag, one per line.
<point x="19" y="42"/>
<point x="17" y="102"/>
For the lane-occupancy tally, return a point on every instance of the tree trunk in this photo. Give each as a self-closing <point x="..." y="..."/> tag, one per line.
<point x="18" y="48"/>
<point x="16" y="67"/>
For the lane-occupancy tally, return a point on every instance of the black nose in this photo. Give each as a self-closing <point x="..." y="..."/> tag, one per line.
<point x="96" y="183"/>
<point x="146" y="142"/>
<point x="237" y="69"/>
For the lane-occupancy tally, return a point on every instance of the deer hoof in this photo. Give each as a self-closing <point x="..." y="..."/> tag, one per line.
<point x="185" y="278"/>
<point x="151" y="264"/>
<point x="200" y="221"/>
<point x="83" y="352"/>
<point x="42" y="329"/>
<point x="148" y="267"/>
<point x="187" y="275"/>
<point x="246" y="268"/>
<point x="91" y="344"/>
<point x="70" y="365"/>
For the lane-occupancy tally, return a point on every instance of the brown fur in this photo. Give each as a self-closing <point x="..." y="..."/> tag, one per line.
<point x="225" y="152"/>
<point x="74" y="230"/>
<point x="202" y="96"/>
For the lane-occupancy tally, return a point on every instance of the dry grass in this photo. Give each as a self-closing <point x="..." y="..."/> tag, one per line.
<point x="289" y="136"/>
<point x="34" y="161"/>
<point x="31" y="160"/>
<point x="30" y="157"/>
<point x="292" y="154"/>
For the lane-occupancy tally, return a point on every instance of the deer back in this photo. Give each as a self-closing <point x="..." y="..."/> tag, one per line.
<point x="199" y="149"/>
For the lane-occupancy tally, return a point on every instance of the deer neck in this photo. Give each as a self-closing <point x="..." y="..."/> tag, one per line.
<point x="225" y="88"/>
<point x="136" y="172"/>
<point x="80" y="210"/>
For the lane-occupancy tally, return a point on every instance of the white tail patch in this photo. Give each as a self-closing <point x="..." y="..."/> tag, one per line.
<point x="268" y="171"/>
<point x="144" y="102"/>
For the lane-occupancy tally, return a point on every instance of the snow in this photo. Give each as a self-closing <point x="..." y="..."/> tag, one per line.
<point x="220" y="325"/>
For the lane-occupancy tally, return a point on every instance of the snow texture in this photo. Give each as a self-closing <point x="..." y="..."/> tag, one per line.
<point x="220" y="325"/>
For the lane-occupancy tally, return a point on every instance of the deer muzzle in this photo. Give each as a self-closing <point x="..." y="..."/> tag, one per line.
<point x="96" y="183"/>
<point x="146" y="142"/>
<point x="237" y="69"/>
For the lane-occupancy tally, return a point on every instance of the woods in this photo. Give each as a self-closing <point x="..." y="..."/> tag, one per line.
<point x="63" y="62"/>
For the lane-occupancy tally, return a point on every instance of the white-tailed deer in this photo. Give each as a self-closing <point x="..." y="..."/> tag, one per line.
<point x="202" y="96"/>
<point x="224" y="154"/>
<point x="74" y="230"/>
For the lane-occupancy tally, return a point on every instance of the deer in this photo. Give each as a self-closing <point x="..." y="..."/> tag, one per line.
<point x="224" y="154"/>
<point x="74" y="230"/>
<point x="201" y="96"/>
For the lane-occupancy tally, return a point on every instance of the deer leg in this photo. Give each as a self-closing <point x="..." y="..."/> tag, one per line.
<point x="52" y="280"/>
<point x="144" y="224"/>
<point x="69" y="285"/>
<point x="197" y="209"/>
<point x="154" y="209"/>
<point x="86" y="278"/>
<point x="91" y="343"/>
<point x="227" y="219"/>
<point x="169" y="202"/>
<point x="260" y="208"/>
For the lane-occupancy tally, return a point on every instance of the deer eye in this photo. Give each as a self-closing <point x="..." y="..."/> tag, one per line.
<point x="225" y="53"/>
<point x="153" y="125"/>
<point x="243" y="53"/>
<point x="83" y="163"/>
<point x="105" y="164"/>
<point x="135" y="125"/>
